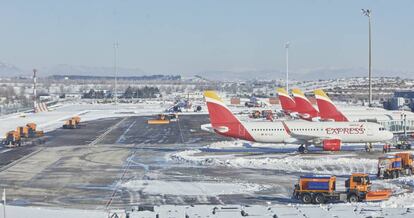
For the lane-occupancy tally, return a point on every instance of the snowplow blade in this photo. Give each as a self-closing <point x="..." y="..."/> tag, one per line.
<point x="378" y="195"/>
<point x="158" y="121"/>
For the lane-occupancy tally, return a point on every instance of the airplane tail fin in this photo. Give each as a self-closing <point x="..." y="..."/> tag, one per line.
<point x="303" y="105"/>
<point x="223" y="120"/>
<point x="287" y="102"/>
<point x="218" y="111"/>
<point x="327" y="108"/>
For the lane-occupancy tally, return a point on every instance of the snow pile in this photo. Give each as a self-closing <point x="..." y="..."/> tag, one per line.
<point x="191" y="188"/>
<point x="246" y="144"/>
<point x="407" y="181"/>
<point x="400" y="201"/>
<point x="401" y="198"/>
<point x="24" y="212"/>
<point x="318" y="164"/>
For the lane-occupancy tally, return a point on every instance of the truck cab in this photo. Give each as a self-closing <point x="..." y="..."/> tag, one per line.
<point x="357" y="186"/>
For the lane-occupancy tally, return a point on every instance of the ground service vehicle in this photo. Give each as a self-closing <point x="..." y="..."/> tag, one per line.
<point x="12" y="139"/>
<point x="23" y="131"/>
<point x="164" y="119"/>
<point x="76" y="119"/>
<point x="394" y="166"/>
<point x="70" y="124"/>
<point x="322" y="189"/>
<point x="32" y="132"/>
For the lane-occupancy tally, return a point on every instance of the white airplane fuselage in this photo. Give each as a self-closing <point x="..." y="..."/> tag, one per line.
<point x="347" y="132"/>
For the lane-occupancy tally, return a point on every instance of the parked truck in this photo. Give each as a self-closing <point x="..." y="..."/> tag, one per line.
<point x="71" y="124"/>
<point x="394" y="166"/>
<point x="322" y="189"/>
<point x="13" y="139"/>
<point x="164" y="119"/>
<point x="32" y="131"/>
<point x="77" y="119"/>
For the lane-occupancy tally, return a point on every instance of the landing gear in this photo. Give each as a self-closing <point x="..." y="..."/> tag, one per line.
<point x="303" y="149"/>
<point x="368" y="147"/>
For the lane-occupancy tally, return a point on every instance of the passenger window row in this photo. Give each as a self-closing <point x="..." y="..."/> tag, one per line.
<point x="260" y="130"/>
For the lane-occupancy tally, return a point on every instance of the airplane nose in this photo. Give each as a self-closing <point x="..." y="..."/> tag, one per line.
<point x="389" y="135"/>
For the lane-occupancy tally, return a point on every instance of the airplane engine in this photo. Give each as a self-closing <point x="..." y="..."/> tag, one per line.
<point x="294" y="115"/>
<point x="305" y="116"/>
<point x="331" y="145"/>
<point x="316" y="119"/>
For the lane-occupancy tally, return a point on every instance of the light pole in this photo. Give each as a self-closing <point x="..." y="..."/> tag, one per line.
<point x="287" y="66"/>
<point x="115" y="72"/>
<point x="367" y="12"/>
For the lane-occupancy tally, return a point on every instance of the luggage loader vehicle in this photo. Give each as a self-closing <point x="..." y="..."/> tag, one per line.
<point x="394" y="166"/>
<point x="322" y="189"/>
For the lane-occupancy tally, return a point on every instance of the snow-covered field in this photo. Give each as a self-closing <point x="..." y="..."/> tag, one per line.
<point x="48" y="121"/>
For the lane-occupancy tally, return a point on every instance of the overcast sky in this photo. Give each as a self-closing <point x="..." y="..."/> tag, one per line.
<point x="195" y="36"/>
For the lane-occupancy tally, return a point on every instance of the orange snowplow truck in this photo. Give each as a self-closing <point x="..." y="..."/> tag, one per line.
<point x="394" y="166"/>
<point x="12" y="139"/>
<point x="164" y="119"/>
<point x="70" y="124"/>
<point x="32" y="132"/>
<point x="77" y="119"/>
<point x="322" y="189"/>
<point x="29" y="131"/>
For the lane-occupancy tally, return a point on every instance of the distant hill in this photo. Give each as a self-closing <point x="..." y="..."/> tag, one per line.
<point x="132" y="78"/>
<point x="10" y="70"/>
<point x="65" y="69"/>
<point x="312" y="74"/>
<point x="7" y="70"/>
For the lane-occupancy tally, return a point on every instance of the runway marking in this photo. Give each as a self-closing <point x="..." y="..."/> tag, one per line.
<point x="181" y="133"/>
<point x="129" y="162"/>
<point x="20" y="160"/>
<point x="6" y="150"/>
<point x="125" y="132"/>
<point x="102" y="136"/>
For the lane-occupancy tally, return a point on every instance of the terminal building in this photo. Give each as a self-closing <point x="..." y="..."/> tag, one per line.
<point x="403" y="104"/>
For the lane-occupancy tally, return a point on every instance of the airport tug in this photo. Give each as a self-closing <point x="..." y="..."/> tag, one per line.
<point x="322" y="189"/>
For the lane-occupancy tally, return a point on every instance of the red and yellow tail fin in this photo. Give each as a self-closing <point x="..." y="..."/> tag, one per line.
<point x="223" y="120"/>
<point x="327" y="109"/>
<point x="287" y="102"/>
<point x="218" y="111"/>
<point x="303" y="105"/>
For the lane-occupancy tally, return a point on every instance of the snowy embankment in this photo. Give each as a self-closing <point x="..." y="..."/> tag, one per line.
<point x="403" y="192"/>
<point x="315" y="163"/>
<point x="192" y="188"/>
<point x="51" y="120"/>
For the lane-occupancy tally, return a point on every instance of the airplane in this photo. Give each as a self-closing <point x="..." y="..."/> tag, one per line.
<point x="299" y="106"/>
<point x="329" y="111"/>
<point x="304" y="106"/>
<point x="287" y="102"/>
<point x="328" y="135"/>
